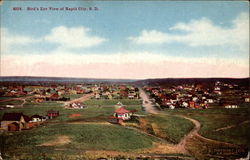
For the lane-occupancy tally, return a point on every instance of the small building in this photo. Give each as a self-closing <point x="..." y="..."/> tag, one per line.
<point x="122" y="114"/>
<point x="14" y="121"/>
<point x="51" y="114"/>
<point x="247" y="99"/>
<point x="76" y="105"/>
<point x="231" y="106"/>
<point x="36" y="118"/>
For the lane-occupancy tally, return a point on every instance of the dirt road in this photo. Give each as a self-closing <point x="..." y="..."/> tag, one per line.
<point x="17" y="99"/>
<point x="147" y="103"/>
<point x="81" y="99"/>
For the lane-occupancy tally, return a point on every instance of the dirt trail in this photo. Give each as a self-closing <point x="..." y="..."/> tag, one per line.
<point x="81" y="99"/>
<point x="18" y="99"/>
<point x="232" y="126"/>
<point x="60" y="140"/>
<point x="164" y="147"/>
<point x="147" y="103"/>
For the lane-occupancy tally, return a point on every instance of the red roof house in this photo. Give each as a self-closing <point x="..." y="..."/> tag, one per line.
<point x="122" y="113"/>
<point x="52" y="114"/>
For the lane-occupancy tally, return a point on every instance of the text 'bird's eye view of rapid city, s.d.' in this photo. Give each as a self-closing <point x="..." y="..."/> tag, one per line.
<point x="124" y="80"/>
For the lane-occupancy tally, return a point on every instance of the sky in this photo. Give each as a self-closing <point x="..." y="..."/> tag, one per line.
<point x="125" y="39"/>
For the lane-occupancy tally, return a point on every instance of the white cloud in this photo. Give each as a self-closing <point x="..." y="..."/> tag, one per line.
<point x="201" y="33"/>
<point x="152" y="36"/>
<point x="8" y="40"/>
<point x="77" y="37"/>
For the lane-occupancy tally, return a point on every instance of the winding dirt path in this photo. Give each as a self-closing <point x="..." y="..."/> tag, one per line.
<point x="194" y="132"/>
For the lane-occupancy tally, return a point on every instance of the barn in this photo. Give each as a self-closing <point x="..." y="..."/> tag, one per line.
<point x="14" y="121"/>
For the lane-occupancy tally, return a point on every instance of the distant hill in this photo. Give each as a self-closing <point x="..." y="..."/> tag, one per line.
<point x="149" y="82"/>
<point x="180" y="81"/>
<point x="60" y="80"/>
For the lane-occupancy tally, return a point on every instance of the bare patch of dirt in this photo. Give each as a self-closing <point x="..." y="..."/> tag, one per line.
<point x="59" y="141"/>
<point x="143" y="124"/>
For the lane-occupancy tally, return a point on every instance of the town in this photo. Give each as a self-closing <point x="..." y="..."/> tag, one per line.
<point x="158" y="112"/>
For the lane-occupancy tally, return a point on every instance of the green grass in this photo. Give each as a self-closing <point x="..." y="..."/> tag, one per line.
<point x="83" y="137"/>
<point x="13" y="102"/>
<point x="173" y="128"/>
<point x="113" y="102"/>
<point x="100" y="112"/>
<point x="212" y="119"/>
<point x="72" y="96"/>
<point x="4" y="98"/>
<point x="43" y="104"/>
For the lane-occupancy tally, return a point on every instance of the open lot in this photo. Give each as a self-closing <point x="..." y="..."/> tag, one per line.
<point x="80" y="138"/>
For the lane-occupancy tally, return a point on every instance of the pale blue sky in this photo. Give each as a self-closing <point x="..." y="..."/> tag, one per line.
<point x="118" y="20"/>
<point x="174" y="29"/>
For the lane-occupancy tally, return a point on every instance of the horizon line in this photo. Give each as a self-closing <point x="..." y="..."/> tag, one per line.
<point x="128" y="78"/>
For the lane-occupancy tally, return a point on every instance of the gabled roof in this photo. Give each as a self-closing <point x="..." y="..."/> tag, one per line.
<point x="27" y="118"/>
<point x="15" y="117"/>
<point x="12" y="116"/>
<point x="36" y="116"/>
<point x="121" y="110"/>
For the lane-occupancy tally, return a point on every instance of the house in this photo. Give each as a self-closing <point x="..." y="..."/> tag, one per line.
<point x="122" y="114"/>
<point x="14" y="121"/>
<point x="247" y="98"/>
<point x="54" y="97"/>
<point x="76" y="105"/>
<point x="97" y="96"/>
<point x="51" y="114"/>
<point x="210" y="100"/>
<point x="231" y="106"/>
<point x="191" y="104"/>
<point x="36" y="118"/>
<point x="39" y="99"/>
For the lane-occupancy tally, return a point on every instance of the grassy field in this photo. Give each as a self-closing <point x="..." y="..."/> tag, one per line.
<point x="117" y="138"/>
<point x="72" y="96"/>
<point x="212" y="119"/>
<point x="12" y="102"/>
<point x="43" y="104"/>
<point x="113" y="102"/>
<point x="82" y="137"/>
<point x="100" y="112"/>
<point x="172" y="128"/>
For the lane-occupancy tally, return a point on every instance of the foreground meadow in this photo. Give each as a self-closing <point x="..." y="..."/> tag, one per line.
<point x="91" y="135"/>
